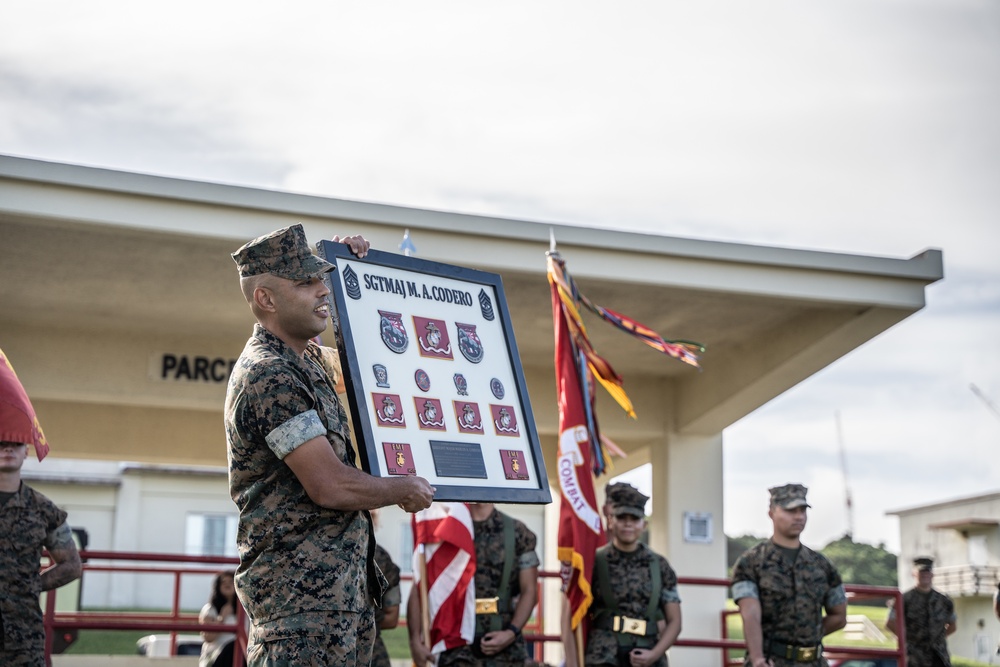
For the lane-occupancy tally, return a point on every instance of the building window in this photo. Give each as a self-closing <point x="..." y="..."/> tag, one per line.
<point x="978" y="553"/>
<point x="211" y="535"/>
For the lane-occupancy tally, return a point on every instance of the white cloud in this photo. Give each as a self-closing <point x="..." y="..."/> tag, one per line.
<point x="864" y="126"/>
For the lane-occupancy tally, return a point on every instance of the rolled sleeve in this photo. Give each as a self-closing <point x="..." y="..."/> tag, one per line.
<point x="392" y="597"/>
<point x="668" y="595"/>
<point x="527" y="560"/>
<point x="745" y="589"/>
<point x="835" y="597"/>
<point x="298" y="430"/>
<point x="60" y="537"/>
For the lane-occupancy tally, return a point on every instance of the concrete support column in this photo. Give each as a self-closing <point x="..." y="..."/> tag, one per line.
<point x="125" y="537"/>
<point x="687" y="481"/>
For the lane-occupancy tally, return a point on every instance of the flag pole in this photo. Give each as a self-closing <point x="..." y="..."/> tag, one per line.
<point x="578" y="635"/>
<point x="425" y="609"/>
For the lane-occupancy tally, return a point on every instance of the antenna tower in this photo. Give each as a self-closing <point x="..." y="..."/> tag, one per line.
<point x="849" y="503"/>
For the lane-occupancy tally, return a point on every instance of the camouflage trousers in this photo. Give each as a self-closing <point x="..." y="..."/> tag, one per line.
<point x="465" y="656"/>
<point x="27" y="658"/>
<point x="603" y="649"/>
<point x="380" y="655"/>
<point x="782" y="662"/>
<point x="347" y="640"/>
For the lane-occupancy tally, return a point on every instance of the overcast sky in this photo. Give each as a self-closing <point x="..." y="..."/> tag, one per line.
<point x="870" y="127"/>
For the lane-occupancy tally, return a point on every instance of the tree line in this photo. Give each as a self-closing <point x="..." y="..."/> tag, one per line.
<point x="858" y="563"/>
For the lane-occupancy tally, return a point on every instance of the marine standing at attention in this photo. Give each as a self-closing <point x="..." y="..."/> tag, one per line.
<point x="506" y="585"/>
<point x="930" y="618"/>
<point x="782" y="588"/>
<point x="636" y="612"/>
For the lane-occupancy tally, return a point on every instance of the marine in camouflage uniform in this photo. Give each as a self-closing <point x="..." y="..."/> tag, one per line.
<point x="490" y="530"/>
<point x="782" y="588"/>
<point x="307" y="577"/>
<point x="390" y="599"/>
<point x="625" y="588"/>
<point x="28" y="522"/>
<point x="930" y="618"/>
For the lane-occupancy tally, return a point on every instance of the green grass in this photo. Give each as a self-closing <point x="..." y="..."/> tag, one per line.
<point x="877" y="615"/>
<point x="114" y="642"/>
<point x="106" y="642"/>
<point x="397" y="642"/>
<point x="122" y="642"/>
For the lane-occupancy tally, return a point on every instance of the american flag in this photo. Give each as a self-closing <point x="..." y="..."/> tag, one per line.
<point x="443" y="535"/>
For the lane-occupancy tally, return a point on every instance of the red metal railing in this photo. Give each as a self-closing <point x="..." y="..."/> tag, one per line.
<point x="854" y="593"/>
<point x="175" y="621"/>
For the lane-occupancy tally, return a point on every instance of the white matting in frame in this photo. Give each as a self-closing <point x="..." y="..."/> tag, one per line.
<point x="434" y="378"/>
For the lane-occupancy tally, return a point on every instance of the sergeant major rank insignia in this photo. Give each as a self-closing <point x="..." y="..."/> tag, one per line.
<point x="393" y="333"/>
<point x="469" y="343"/>
<point x="486" y="306"/>
<point x="352" y="286"/>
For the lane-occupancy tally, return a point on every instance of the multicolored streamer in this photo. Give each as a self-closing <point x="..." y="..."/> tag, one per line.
<point x="596" y="366"/>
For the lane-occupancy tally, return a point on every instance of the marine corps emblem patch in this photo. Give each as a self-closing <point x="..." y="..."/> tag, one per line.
<point x="388" y="410"/>
<point x="432" y="336"/>
<point x="504" y="420"/>
<point x="429" y="413"/>
<point x="469" y="420"/>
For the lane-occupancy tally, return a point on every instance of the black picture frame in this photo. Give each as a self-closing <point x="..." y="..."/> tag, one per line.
<point x="429" y="357"/>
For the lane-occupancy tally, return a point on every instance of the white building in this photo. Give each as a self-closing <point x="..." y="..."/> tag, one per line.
<point x="106" y="275"/>
<point x="963" y="538"/>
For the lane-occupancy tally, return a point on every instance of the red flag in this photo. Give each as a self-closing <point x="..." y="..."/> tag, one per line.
<point x="580" y="529"/>
<point x="445" y="533"/>
<point x="18" y="422"/>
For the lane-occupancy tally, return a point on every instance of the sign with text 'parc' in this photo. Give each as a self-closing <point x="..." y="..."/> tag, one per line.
<point x="434" y="377"/>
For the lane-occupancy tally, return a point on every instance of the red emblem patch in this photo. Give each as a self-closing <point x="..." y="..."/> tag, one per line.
<point x="469" y="419"/>
<point x="429" y="413"/>
<point x="398" y="458"/>
<point x="514" y="466"/>
<point x="504" y="420"/>
<point x="388" y="410"/>
<point x="432" y="338"/>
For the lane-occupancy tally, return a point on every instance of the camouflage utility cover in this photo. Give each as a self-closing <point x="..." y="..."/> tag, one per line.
<point x="629" y="572"/>
<point x="28" y="522"/>
<point x="926" y="615"/>
<point x="297" y="560"/>
<point x="284" y="253"/>
<point x="792" y="595"/>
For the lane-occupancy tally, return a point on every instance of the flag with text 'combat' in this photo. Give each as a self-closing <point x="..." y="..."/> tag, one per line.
<point x="444" y="532"/>
<point x="580" y="528"/>
<point x="18" y="422"/>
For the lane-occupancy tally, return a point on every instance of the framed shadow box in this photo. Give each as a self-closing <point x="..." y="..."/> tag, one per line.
<point x="434" y="378"/>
